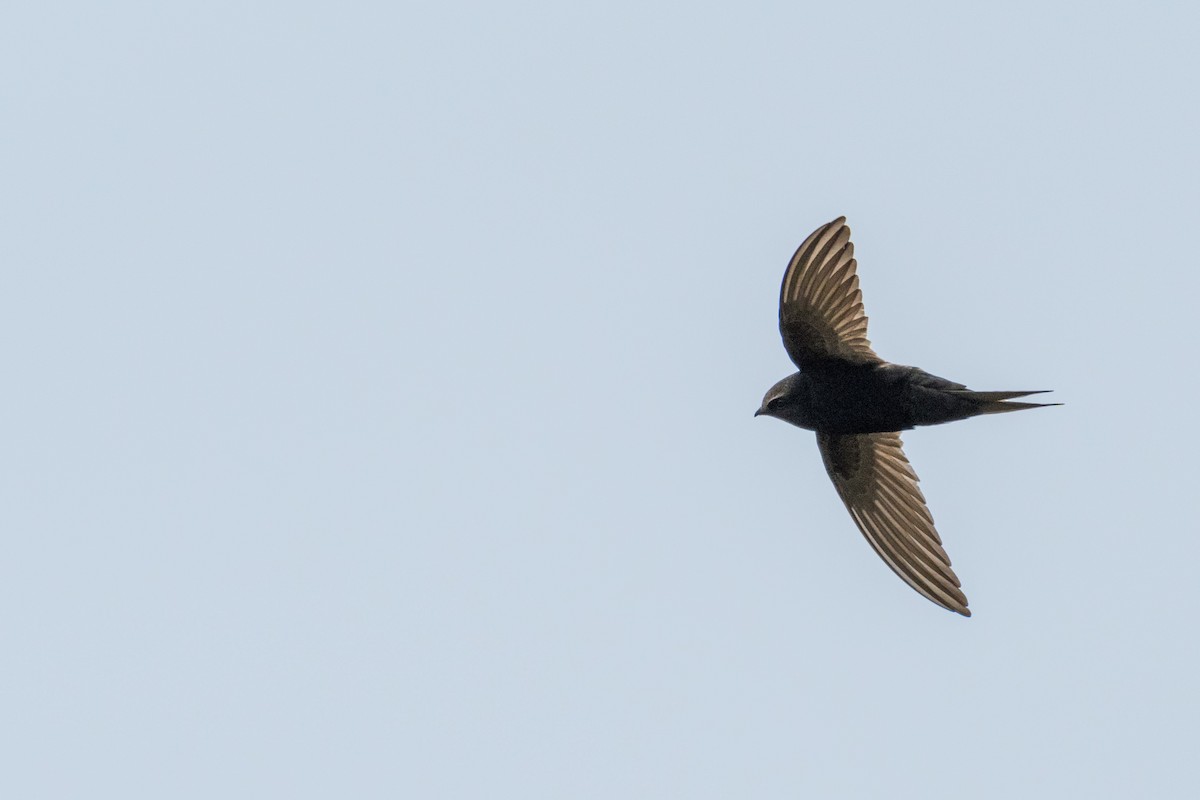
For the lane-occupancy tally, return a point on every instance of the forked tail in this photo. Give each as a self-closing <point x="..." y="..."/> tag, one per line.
<point x="998" y="402"/>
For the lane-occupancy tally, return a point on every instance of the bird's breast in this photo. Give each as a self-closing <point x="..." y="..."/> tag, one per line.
<point x="857" y="400"/>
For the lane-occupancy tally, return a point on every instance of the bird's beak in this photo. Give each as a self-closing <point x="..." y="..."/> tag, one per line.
<point x="758" y="413"/>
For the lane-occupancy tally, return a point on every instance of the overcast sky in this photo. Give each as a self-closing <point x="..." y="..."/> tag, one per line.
<point x="379" y="383"/>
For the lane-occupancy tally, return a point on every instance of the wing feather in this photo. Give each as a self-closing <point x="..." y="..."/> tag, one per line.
<point x="879" y="487"/>
<point x="821" y="314"/>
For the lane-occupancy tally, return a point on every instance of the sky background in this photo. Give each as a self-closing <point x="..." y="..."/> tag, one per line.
<point x="379" y="380"/>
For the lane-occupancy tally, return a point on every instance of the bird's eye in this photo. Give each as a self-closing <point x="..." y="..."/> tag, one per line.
<point x="773" y="403"/>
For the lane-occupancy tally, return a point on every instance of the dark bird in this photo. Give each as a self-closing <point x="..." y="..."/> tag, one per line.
<point x="857" y="403"/>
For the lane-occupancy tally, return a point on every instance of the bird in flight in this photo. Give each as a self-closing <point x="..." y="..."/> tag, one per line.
<point x="857" y="403"/>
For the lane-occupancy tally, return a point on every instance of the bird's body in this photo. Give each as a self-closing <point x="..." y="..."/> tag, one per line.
<point x="857" y="403"/>
<point x="837" y="397"/>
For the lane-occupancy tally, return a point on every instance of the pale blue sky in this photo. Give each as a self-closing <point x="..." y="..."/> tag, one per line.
<point x="379" y="381"/>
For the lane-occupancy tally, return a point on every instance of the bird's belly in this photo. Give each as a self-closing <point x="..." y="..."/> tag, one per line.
<point x="858" y="405"/>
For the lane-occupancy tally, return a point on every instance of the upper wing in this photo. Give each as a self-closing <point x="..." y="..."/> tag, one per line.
<point x="880" y="490"/>
<point x="820" y="305"/>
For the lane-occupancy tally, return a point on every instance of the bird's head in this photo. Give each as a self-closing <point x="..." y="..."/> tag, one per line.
<point x="788" y="401"/>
